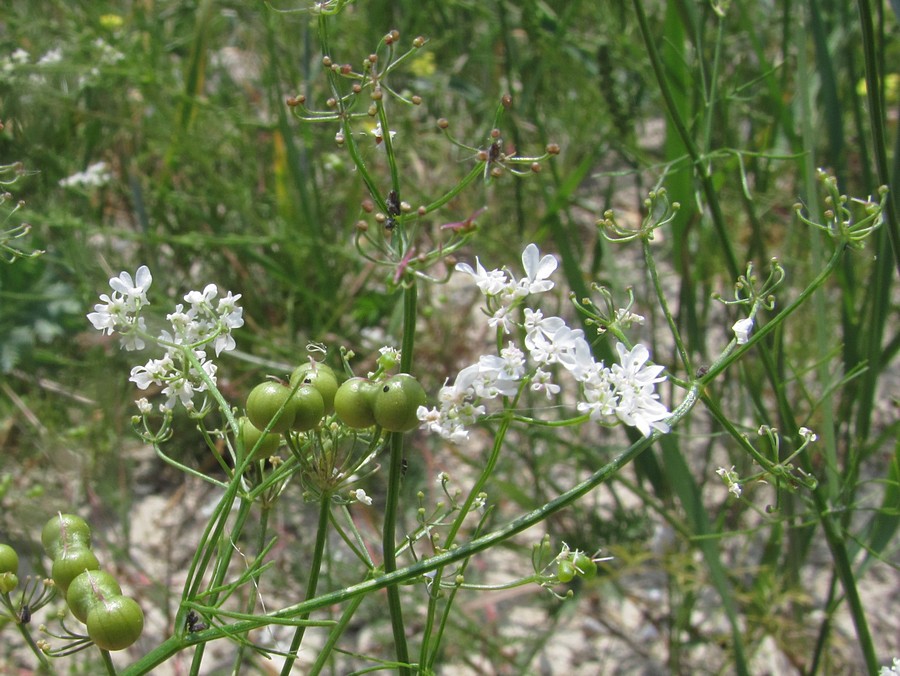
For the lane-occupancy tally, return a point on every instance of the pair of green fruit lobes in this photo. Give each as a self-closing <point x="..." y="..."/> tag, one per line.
<point x="580" y="565"/>
<point x="300" y="409"/>
<point x="113" y="621"/>
<point x="392" y="403"/>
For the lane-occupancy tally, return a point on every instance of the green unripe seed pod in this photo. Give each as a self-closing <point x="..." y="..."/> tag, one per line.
<point x="397" y="401"/>
<point x="65" y="530"/>
<point x="308" y="406"/>
<point x="321" y="377"/>
<point x="71" y="562"/>
<point x="115" y="623"/>
<point x="565" y="571"/>
<point x="9" y="560"/>
<point x="353" y="403"/>
<point x="251" y="435"/>
<point x="88" y="589"/>
<point x="585" y="565"/>
<point x="263" y="404"/>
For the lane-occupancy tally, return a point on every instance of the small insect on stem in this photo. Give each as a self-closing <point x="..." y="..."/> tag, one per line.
<point x="393" y="203"/>
<point x="194" y="623"/>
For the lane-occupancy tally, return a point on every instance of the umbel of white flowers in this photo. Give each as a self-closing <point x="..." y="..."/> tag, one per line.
<point x="624" y="392"/>
<point x="203" y="325"/>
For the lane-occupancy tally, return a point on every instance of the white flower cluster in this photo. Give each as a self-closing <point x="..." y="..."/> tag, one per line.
<point x="95" y="175"/>
<point x="623" y="392"/>
<point x="204" y="324"/>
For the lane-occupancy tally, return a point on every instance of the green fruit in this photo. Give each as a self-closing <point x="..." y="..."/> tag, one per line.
<point x="88" y="589"/>
<point x="9" y="560"/>
<point x="565" y="571"/>
<point x="251" y="436"/>
<point x="397" y="401"/>
<point x="62" y="530"/>
<point x="71" y="562"/>
<point x="8" y="582"/>
<point x="264" y="403"/>
<point x="585" y="565"/>
<point x="321" y="377"/>
<point x="308" y="406"/>
<point x="353" y="403"/>
<point x="115" y="623"/>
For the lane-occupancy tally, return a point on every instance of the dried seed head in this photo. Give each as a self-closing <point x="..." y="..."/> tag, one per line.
<point x="346" y="69"/>
<point x="495" y="133"/>
<point x="362" y="226"/>
<point x="368" y="206"/>
<point x="372" y="111"/>
<point x="377" y="94"/>
<point x="483" y="156"/>
<point x="506" y="100"/>
<point x="405" y="207"/>
<point x="536" y="167"/>
<point x="497" y="172"/>
<point x="443" y="122"/>
<point x="553" y="149"/>
<point x="418" y="42"/>
<point x="331" y="103"/>
<point x="416" y="99"/>
<point x="380" y="217"/>
<point x="356" y="88"/>
<point x="373" y="58"/>
<point x="326" y="61"/>
<point x="421" y="211"/>
<point x="395" y="34"/>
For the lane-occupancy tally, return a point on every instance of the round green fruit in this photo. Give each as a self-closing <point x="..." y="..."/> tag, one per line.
<point x="9" y="560"/>
<point x="397" y="401"/>
<point x="308" y="406"/>
<point x="585" y="565"/>
<point x="88" y="589"/>
<point x="252" y="438"/>
<point x="71" y="562"/>
<point x="263" y="405"/>
<point x="319" y="376"/>
<point x="353" y="403"/>
<point x="63" y="530"/>
<point x="565" y="570"/>
<point x="115" y="623"/>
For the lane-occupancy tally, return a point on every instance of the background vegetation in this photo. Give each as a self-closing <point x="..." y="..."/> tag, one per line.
<point x="730" y="106"/>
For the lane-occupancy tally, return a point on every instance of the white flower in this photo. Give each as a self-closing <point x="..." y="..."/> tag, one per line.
<point x="731" y="479"/>
<point x="537" y="270"/>
<point x="201" y="298"/>
<point x="541" y="382"/>
<point x="491" y="282"/>
<point x="51" y="57"/>
<point x="94" y="176"/>
<point x="143" y="405"/>
<point x="379" y="135"/>
<point x="625" y="318"/>
<point x="361" y="496"/>
<point x="893" y="670"/>
<point x="742" y="329"/>
<point x="134" y="290"/>
<point x="807" y="434"/>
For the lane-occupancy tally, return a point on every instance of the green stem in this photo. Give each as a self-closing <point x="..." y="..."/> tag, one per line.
<point x="395" y="475"/>
<point x="251" y="598"/>
<point x="312" y="582"/>
<point x="108" y="663"/>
